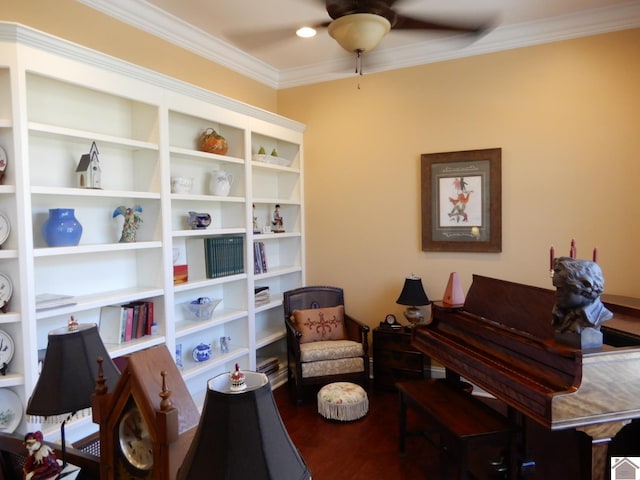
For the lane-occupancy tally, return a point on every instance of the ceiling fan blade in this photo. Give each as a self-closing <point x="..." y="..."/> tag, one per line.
<point x="409" y="23"/>
<point x="257" y="38"/>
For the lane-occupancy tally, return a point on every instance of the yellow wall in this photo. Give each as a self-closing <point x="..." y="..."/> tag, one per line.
<point x="565" y="115"/>
<point x="78" y="23"/>
<point x="566" y="118"/>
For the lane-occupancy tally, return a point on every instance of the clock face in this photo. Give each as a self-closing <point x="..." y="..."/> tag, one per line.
<point x="6" y="290"/>
<point x="5" y="228"/>
<point x="135" y="441"/>
<point x="390" y="319"/>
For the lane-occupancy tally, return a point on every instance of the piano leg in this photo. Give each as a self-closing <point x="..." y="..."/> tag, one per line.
<point x="601" y="435"/>
<point x="522" y="464"/>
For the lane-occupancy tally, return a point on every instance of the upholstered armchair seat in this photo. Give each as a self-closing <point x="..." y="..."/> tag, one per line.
<point x="324" y="344"/>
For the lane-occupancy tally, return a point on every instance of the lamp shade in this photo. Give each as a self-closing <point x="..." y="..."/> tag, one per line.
<point x="413" y="292"/>
<point x="241" y="436"/>
<point x="69" y="373"/>
<point x="359" y="32"/>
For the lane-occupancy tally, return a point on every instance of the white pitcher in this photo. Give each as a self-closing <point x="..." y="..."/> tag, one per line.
<point x="220" y="183"/>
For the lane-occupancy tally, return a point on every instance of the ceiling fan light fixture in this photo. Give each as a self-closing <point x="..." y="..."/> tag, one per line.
<point x="359" y="32"/>
<point x="306" y="32"/>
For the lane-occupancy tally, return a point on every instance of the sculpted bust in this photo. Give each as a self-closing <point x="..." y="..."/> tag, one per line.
<point x="578" y="312"/>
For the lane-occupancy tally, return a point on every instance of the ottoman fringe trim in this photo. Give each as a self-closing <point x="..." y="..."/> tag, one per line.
<point x="344" y="411"/>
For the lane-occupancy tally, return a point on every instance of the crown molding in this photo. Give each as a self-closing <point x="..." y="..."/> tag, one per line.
<point x="149" y="18"/>
<point x="29" y="37"/>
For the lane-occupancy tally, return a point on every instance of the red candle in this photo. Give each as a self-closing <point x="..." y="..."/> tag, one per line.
<point x="595" y="254"/>
<point x="552" y="256"/>
<point x="572" y="251"/>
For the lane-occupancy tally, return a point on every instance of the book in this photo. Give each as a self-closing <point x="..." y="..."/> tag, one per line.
<point x="112" y="324"/>
<point x="259" y="258"/>
<point x="267" y="365"/>
<point x="46" y="301"/>
<point x="141" y="328"/>
<point x="150" y="317"/>
<point x="128" y="328"/>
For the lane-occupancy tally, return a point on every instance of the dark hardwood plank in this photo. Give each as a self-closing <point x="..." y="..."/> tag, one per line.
<point x="367" y="449"/>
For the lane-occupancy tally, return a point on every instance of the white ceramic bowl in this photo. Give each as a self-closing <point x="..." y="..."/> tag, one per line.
<point x="181" y="184"/>
<point x="201" y="311"/>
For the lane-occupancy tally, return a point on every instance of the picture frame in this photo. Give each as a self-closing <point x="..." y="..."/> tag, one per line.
<point x="462" y="201"/>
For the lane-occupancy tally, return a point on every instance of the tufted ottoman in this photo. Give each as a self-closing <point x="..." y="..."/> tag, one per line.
<point x="343" y="401"/>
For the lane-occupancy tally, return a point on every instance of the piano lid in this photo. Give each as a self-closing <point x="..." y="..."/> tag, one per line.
<point x="518" y="306"/>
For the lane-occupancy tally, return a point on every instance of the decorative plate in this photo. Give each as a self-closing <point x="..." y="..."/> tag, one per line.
<point x="10" y="410"/>
<point x="5" y="228"/>
<point x="6" y="290"/>
<point x="6" y="348"/>
<point x="3" y="160"/>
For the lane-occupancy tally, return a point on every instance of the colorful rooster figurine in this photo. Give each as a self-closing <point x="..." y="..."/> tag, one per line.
<point x="132" y="220"/>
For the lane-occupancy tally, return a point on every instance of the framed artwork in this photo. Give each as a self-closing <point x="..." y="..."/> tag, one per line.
<point x="462" y="201"/>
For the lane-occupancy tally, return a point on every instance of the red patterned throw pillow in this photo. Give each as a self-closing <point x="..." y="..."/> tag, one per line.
<point x="319" y="324"/>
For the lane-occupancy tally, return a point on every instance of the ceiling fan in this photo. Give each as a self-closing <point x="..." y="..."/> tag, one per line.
<point x="359" y="25"/>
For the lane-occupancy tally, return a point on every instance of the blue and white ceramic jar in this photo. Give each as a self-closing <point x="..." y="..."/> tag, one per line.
<point x="201" y="353"/>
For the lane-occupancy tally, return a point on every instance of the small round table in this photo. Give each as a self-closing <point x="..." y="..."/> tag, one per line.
<point x="343" y="401"/>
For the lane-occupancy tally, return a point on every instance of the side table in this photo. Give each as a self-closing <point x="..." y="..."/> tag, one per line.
<point x="394" y="359"/>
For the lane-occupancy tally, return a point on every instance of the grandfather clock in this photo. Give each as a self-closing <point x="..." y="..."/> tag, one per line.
<point x="147" y="422"/>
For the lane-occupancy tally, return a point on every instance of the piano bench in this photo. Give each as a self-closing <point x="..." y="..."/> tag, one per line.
<point x="457" y="418"/>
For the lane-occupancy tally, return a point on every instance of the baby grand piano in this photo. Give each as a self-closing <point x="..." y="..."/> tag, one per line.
<point x="501" y="340"/>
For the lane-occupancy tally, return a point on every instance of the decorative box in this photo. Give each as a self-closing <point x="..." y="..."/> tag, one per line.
<point x="180" y="274"/>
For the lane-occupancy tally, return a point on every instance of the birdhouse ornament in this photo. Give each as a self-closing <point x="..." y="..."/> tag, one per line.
<point x="88" y="171"/>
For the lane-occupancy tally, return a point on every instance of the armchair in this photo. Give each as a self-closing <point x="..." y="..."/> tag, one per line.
<point x="324" y="344"/>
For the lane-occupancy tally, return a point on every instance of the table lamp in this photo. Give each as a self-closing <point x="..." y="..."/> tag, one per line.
<point x="241" y="434"/>
<point x="69" y="375"/>
<point x="413" y="295"/>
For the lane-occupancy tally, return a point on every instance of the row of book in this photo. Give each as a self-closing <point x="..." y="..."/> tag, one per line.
<point x="224" y="255"/>
<point x="122" y="323"/>
<point x="259" y="258"/>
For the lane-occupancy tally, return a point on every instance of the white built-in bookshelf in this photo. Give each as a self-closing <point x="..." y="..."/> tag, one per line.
<point x="56" y="98"/>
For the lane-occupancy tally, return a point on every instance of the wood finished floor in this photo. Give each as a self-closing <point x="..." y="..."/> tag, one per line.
<point x="367" y="449"/>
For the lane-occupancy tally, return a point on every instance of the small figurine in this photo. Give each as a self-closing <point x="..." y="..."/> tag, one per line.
<point x="277" y="222"/>
<point x="237" y="380"/>
<point x="578" y="312"/>
<point x="41" y="462"/>
<point x="72" y="326"/>
<point x="224" y="344"/>
<point x="256" y="228"/>
<point x="132" y="220"/>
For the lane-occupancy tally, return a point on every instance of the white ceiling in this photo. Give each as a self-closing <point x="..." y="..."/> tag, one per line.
<point x="257" y="37"/>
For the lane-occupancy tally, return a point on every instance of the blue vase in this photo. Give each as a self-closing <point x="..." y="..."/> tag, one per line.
<point x="62" y="229"/>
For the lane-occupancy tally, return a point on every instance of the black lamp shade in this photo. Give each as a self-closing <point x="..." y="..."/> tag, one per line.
<point x="241" y="436"/>
<point x="69" y="373"/>
<point x="413" y="293"/>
